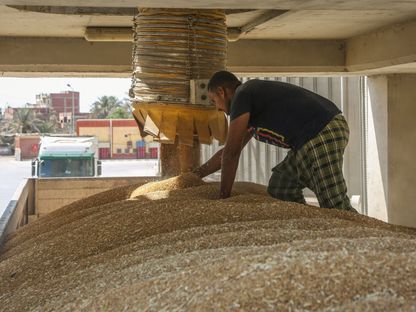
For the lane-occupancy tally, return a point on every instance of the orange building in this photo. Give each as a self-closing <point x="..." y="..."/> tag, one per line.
<point x="117" y="138"/>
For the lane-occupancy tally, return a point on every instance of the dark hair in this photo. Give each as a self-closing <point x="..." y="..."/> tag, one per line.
<point x="223" y="79"/>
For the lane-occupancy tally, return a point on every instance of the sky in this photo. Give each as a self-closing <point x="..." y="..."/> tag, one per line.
<point x="16" y="92"/>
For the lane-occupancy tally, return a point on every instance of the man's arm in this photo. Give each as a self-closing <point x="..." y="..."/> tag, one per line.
<point x="214" y="163"/>
<point x="237" y="138"/>
<point x="211" y="166"/>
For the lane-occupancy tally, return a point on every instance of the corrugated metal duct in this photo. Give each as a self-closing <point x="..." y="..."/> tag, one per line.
<point x="171" y="48"/>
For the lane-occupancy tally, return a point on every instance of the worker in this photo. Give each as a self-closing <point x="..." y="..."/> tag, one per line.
<point x="288" y="116"/>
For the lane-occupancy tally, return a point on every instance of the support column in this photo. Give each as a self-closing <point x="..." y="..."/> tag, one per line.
<point x="402" y="149"/>
<point x="377" y="154"/>
<point x="392" y="148"/>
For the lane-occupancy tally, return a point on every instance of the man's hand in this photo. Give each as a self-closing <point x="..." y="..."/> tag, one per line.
<point x="237" y="138"/>
<point x="211" y="166"/>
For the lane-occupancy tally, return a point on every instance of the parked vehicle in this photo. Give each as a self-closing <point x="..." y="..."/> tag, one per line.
<point x="5" y="149"/>
<point x="67" y="157"/>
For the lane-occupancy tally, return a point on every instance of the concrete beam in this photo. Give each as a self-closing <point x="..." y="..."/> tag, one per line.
<point x="68" y="10"/>
<point x="236" y="32"/>
<point x="286" y="56"/>
<point x="63" y="57"/>
<point x="383" y="48"/>
<point x="230" y="4"/>
<point x="109" y="11"/>
<point x="77" y="57"/>
<point x="389" y="50"/>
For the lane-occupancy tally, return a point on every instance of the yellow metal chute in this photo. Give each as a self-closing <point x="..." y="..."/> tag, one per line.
<point x="164" y="122"/>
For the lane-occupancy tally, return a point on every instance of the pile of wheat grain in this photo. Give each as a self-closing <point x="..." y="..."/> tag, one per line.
<point x="174" y="246"/>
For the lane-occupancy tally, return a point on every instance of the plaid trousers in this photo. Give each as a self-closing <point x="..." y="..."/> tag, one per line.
<point x="316" y="165"/>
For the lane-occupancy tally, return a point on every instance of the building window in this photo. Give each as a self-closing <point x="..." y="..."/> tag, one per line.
<point x="119" y="151"/>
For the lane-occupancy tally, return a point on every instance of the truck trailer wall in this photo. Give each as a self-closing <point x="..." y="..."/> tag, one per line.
<point x="37" y="197"/>
<point x="52" y="194"/>
<point x="18" y="210"/>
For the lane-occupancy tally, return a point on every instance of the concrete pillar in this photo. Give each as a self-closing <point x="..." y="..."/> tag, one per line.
<point x="402" y="149"/>
<point x="377" y="154"/>
<point x="391" y="166"/>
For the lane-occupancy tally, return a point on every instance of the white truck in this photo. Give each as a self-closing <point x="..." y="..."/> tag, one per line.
<point x="64" y="156"/>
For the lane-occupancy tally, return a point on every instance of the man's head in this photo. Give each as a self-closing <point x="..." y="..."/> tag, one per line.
<point x="221" y="89"/>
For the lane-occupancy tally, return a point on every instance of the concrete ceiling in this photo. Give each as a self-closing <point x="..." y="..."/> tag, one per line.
<point x="292" y="26"/>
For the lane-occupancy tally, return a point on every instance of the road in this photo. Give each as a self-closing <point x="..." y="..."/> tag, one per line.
<point x="13" y="173"/>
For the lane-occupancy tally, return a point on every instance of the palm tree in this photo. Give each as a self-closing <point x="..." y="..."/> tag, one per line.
<point x="25" y="121"/>
<point x="123" y="111"/>
<point x="48" y="126"/>
<point x="127" y="106"/>
<point x="119" y="113"/>
<point x="104" y="106"/>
